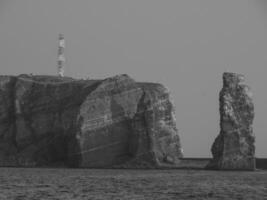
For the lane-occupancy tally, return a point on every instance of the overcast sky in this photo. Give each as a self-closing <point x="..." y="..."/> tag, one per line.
<point x="184" y="44"/>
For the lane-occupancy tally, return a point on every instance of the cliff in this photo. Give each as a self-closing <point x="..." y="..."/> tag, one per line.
<point x="52" y="121"/>
<point x="234" y="148"/>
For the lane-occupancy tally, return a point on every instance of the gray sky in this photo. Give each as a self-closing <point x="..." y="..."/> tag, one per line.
<point x="184" y="44"/>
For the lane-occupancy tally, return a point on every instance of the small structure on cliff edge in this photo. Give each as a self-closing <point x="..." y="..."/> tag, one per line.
<point x="234" y="148"/>
<point x="61" y="57"/>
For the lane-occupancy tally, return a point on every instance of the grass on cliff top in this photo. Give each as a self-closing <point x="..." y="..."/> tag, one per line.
<point x="55" y="79"/>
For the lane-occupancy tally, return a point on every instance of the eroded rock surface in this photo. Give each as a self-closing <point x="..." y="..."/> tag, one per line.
<point x="234" y="148"/>
<point x="52" y="121"/>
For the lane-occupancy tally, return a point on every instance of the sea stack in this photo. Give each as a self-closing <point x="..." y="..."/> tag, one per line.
<point x="234" y="149"/>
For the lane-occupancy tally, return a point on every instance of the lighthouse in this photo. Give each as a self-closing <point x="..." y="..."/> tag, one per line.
<point x="61" y="58"/>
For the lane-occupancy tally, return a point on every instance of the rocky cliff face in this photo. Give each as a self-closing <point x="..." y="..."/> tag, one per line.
<point x="52" y="121"/>
<point x="234" y="148"/>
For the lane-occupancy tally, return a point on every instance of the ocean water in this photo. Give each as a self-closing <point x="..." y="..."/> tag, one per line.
<point x="70" y="184"/>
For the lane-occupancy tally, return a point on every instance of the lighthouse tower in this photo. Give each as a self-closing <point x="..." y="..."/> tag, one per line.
<point x="61" y="58"/>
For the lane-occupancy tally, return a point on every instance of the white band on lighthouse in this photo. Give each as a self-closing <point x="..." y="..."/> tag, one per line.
<point x="62" y="43"/>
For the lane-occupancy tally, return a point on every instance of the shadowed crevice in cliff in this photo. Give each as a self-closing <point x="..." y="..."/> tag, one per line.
<point x="8" y="145"/>
<point x="12" y="110"/>
<point x="141" y="141"/>
<point x="122" y="131"/>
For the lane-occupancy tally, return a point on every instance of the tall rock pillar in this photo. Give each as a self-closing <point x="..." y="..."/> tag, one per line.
<point x="234" y="149"/>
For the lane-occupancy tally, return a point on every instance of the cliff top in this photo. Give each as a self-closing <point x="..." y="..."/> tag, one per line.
<point x="50" y="79"/>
